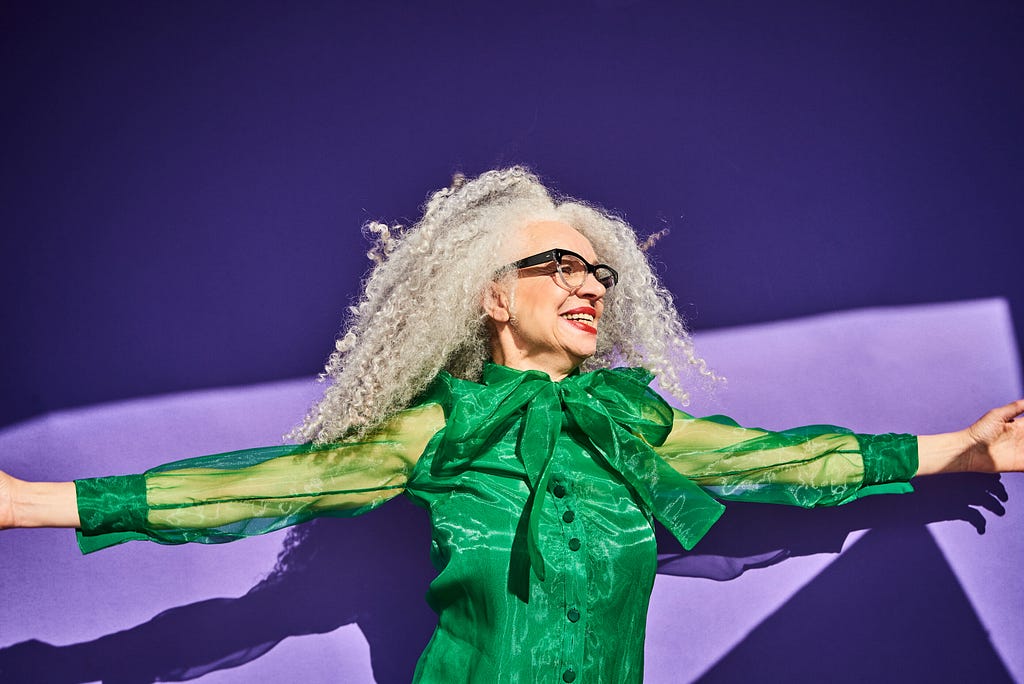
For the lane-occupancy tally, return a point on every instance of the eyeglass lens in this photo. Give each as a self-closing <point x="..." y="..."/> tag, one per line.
<point x="574" y="272"/>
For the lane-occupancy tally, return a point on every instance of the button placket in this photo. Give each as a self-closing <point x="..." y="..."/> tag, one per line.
<point x="566" y="506"/>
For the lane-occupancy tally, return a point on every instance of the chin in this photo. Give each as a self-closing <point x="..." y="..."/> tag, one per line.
<point x="581" y="355"/>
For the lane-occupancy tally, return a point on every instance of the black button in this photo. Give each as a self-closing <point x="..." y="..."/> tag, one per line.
<point x="569" y="676"/>
<point x="559" y="491"/>
<point x="568" y="516"/>
<point x="574" y="544"/>
<point x="573" y="615"/>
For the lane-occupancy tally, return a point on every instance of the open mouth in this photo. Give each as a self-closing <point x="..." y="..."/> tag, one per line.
<point x="583" y="318"/>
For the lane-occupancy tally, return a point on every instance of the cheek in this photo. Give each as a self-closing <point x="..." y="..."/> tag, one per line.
<point x="533" y="294"/>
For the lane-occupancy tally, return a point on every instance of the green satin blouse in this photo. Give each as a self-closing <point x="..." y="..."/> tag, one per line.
<point x="541" y="496"/>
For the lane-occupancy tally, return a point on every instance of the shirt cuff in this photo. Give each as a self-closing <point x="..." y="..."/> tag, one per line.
<point x="890" y="460"/>
<point x="112" y="510"/>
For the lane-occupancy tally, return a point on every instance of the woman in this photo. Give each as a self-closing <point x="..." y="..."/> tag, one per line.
<point x="476" y="376"/>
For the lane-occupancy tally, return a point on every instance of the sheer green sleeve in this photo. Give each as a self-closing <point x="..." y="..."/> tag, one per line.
<point x="223" y="497"/>
<point x="818" y="465"/>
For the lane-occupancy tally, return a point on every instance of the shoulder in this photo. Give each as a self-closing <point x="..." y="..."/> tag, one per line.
<point x="446" y="389"/>
<point x="630" y="382"/>
<point x="635" y="374"/>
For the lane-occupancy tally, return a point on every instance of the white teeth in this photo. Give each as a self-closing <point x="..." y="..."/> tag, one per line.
<point x="586" y="318"/>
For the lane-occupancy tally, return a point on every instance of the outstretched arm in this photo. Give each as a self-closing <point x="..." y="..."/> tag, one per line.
<point x="824" y="465"/>
<point x="993" y="444"/>
<point x="815" y="465"/>
<point x="226" y="496"/>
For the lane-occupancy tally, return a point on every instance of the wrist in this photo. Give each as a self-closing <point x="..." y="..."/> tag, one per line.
<point x="949" y="452"/>
<point x="976" y="455"/>
<point x="44" y="504"/>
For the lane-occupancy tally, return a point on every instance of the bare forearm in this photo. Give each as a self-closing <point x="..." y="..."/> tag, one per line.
<point x="44" y="504"/>
<point x="948" y="452"/>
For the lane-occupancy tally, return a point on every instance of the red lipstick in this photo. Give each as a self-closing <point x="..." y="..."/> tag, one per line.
<point x="585" y="317"/>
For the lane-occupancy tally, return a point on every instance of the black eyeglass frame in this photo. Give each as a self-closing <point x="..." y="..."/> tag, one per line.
<point x="556" y="256"/>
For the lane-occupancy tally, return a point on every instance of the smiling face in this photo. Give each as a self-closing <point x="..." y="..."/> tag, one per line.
<point x="544" y="326"/>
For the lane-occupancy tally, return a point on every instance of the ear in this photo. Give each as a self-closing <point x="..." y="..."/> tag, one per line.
<point x="497" y="303"/>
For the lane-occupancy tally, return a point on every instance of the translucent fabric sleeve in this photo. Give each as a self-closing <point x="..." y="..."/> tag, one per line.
<point x="817" y="465"/>
<point x="223" y="497"/>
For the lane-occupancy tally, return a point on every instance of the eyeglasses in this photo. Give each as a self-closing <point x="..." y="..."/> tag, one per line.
<point x="572" y="268"/>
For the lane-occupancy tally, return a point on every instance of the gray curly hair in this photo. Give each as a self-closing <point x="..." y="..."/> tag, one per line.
<point x="421" y="306"/>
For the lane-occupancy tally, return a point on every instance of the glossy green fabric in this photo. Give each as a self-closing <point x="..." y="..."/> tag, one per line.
<point x="223" y="497"/>
<point x="612" y="413"/>
<point x="540" y="495"/>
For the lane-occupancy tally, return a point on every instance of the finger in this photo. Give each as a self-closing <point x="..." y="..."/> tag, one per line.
<point x="1010" y="411"/>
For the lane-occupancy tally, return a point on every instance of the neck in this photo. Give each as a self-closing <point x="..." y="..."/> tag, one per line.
<point x="556" y="369"/>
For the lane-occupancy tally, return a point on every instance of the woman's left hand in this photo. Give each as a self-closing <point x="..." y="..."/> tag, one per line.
<point x="997" y="441"/>
<point x="993" y="444"/>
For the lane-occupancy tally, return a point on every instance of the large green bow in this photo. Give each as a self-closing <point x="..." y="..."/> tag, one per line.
<point x="616" y="413"/>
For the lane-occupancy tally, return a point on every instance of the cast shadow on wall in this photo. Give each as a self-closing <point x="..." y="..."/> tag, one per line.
<point x="336" y="572"/>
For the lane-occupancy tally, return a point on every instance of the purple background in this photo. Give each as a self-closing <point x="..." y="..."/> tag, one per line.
<point x="182" y="190"/>
<point x="183" y="183"/>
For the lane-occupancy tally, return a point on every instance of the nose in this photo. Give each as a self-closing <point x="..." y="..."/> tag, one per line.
<point x="591" y="288"/>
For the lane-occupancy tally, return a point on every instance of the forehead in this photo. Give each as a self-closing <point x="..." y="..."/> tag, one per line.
<point x="540" y="236"/>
